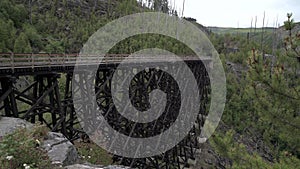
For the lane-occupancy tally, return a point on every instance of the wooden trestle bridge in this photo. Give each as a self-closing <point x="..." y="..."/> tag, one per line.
<point x="38" y="87"/>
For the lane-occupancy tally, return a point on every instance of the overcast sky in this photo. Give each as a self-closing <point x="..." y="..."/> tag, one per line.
<point x="238" y="13"/>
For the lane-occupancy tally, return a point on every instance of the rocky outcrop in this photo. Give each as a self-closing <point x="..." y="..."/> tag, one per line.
<point x="206" y="157"/>
<point x="9" y="124"/>
<point x="90" y="166"/>
<point x="236" y="68"/>
<point x="60" y="150"/>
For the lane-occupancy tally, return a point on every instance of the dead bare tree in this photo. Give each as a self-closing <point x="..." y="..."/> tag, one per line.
<point x="30" y="11"/>
<point x="251" y="27"/>
<point x="262" y="34"/>
<point x="255" y="25"/>
<point x="183" y="8"/>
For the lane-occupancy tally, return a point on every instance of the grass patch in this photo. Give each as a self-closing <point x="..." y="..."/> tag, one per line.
<point x="93" y="154"/>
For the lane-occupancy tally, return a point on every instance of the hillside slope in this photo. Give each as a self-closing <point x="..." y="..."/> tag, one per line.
<point x="55" y="26"/>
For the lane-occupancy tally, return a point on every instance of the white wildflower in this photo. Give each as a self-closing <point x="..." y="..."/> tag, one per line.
<point x="57" y="163"/>
<point x="38" y="142"/>
<point x="26" y="166"/>
<point x="9" y="157"/>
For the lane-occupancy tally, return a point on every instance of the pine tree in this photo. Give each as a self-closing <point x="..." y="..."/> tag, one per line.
<point x="22" y="44"/>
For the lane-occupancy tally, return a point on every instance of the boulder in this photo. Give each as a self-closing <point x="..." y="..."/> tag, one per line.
<point x="91" y="166"/>
<point x="9" y="125"/>
<point x="60" y="150"/>
<point x="116" y="167"/>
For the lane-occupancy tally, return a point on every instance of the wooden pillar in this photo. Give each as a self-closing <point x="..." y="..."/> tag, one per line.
<point x="8" y="96"/>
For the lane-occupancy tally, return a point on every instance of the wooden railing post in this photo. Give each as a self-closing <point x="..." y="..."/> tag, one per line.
<point x="49" y="59"/>
<point x="32" y="61"/>
<point x="67" y="58"/>
<point x="64" y="61"/>
<point x="12" y="62"/>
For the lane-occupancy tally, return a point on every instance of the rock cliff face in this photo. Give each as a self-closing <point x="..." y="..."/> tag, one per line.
<point x="282" y="33"/>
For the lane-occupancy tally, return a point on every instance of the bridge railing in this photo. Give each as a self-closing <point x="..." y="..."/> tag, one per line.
<point x="12" y="60"/>
<point x="25" y="60"/>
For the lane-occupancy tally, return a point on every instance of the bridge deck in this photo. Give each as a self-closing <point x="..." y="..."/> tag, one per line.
<point x="39" y="63"/>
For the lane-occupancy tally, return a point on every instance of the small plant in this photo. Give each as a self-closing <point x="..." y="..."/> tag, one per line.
<point x="21" y="149"/>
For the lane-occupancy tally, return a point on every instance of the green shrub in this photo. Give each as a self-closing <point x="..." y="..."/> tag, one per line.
<point x="21" y="149"/>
